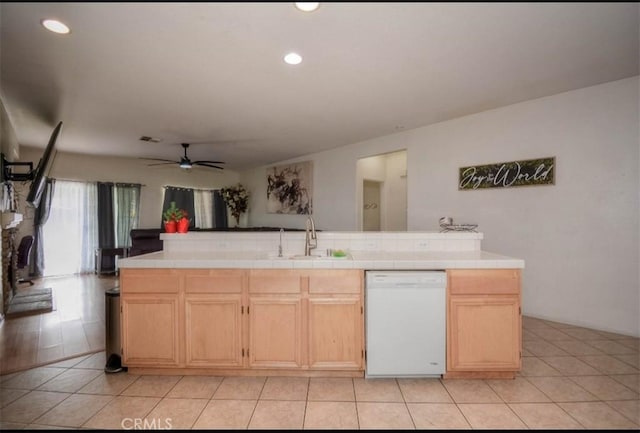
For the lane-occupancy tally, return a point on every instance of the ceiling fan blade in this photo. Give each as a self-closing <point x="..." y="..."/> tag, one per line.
<point x="161" y="159"/>
<point x="162" y="163"/>
<point x="209" y="162"/>
<point x="207" y="165"/>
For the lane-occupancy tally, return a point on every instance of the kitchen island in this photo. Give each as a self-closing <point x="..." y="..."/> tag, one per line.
<point x="227" y="304"/>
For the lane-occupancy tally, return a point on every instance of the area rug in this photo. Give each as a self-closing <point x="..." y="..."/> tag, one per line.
<point x="30" y="301"/>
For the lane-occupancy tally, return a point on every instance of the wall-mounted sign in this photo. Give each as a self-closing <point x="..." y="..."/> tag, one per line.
<point x="508" y="174"/>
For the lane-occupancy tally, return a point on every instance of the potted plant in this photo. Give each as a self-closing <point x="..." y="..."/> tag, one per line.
<point x="182" y="225"/>
<point x="175" y="217"/>
<point x="237" y="200"/>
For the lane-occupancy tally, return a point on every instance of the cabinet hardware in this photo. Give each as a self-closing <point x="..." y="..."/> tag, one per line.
<point x="520" y="311"/>
<point x="242" y="309"/>
<point x="243" y="353"/>
<point x="361" y="309"/>
<point x="247" y="309"/>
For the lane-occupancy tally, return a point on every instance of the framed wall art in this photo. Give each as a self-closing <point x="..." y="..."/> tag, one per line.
<point x="539" y="171"/>
<point x="290" y="188"/>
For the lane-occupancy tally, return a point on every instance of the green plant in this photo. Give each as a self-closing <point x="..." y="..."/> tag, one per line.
<point x="174" y="213"/>
<point x="237" y="199"/>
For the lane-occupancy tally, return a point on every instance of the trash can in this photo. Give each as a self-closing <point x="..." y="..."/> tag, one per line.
<point x="112" y="325"/>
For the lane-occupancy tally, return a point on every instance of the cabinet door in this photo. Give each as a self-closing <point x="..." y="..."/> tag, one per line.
<point x="213" y="330"/>
<point x="275" y="331"/>
<point x="483" y="333"/>
<point x="335" y="333"/>
<point x="150" y="330"/>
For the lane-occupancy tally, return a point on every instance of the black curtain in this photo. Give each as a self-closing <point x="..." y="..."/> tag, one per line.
<point x="219" y="211"/>
<point x="106" y="233"/>
<point x="184" y="200"/>
<point x="40" y="217"/>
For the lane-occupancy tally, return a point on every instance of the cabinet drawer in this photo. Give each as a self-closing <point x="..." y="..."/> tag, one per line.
<point x="483" y="281"/>
<point x="150" y="280"/>
<point x="274" y="281"/>
<point x="214" y="281"/>
<point x="335" y="281"/>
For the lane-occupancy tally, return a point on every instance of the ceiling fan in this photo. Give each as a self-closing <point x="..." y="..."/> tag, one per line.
<point x="185" y="162"/>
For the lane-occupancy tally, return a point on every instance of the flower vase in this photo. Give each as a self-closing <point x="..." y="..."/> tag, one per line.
<point x="237" y="222"/>
<point x="243" y="221"/>
<point x="170" y="226"/>
<point x="182" y="226"/>
<point x="240" y="221"/>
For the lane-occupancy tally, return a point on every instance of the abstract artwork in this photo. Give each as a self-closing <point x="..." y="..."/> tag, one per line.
<point x="289" y="188"/>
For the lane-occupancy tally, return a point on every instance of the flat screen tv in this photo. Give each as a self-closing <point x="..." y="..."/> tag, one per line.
<point x="41" y="172"/>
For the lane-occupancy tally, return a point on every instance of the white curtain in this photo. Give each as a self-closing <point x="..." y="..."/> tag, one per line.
<point x="71" y="232"/>
<point x="203" y="205"/>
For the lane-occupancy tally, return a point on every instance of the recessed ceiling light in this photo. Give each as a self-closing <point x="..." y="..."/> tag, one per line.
<point x="307" y="6"/>
<point x="293" y="58"/>
<point x="56" y="26"/>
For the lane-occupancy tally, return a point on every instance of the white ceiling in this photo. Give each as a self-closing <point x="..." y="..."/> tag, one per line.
<point x="212" y="73"/>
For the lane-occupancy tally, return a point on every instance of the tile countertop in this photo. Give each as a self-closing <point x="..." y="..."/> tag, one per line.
<point x="368" y="260"/>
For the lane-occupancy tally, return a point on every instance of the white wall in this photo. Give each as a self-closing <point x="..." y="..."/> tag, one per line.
<point x="335" y="204"/>
<point x="579" y="238"/>
<point x="8" y="141"/>
<point x="395" y="191"/>
<point x="74" y="166"/>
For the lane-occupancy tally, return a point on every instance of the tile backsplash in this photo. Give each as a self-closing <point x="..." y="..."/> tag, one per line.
<point x="293" y="242"/>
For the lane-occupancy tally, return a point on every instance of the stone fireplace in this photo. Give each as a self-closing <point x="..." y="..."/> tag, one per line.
<point x="9" y="259"/>
<point x="10" y="222"/>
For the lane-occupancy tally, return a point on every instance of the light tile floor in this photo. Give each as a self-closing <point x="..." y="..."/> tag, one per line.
<point x="572" y="378"/>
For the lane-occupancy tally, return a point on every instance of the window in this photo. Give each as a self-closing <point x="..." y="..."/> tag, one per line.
<point x="71" y="232"/>
<point x="205" y="207"/>
<point x="85" y="216"/>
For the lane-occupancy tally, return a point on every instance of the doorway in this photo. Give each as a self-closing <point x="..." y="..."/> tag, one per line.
<point x="371" y="205"/>
<point x="382" y="181"/>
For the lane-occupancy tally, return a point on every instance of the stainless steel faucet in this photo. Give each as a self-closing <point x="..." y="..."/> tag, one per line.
<point x="280" y="246"/>
<point x="310" y="235"/>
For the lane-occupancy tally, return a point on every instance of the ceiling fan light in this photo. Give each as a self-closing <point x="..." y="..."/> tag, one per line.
<point x="185" y="164"/>
<point x="56" y="26"/>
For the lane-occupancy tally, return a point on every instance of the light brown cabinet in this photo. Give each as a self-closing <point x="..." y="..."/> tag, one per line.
<point x="230" y="321"/>
<point x="335" y="321"/>
<point x="484" y="323"/>
<point x="213" y="330"/>
<point x="213" y="305"/>
<point x="335" y="332"/>
<point x="306" y="319"/>
<point x="151" y="318"/>
<point x="275" y="332"/>
<point x="235" y="319"/>
<point x="275" y="318"/>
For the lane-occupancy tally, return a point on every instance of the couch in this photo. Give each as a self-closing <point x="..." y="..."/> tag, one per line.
<point x="145" y="241"/>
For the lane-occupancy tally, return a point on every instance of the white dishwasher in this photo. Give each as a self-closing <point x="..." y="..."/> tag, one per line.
<point x="405" y="323"/>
